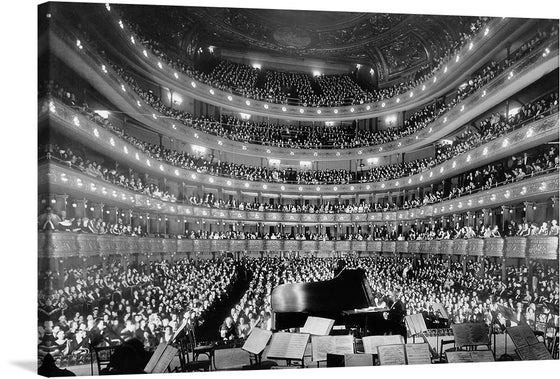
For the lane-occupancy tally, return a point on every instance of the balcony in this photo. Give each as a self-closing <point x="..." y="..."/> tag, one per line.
<point x="60" y="179"/>
<point x="64" y="245"/>
<point x="72" y="123"/>
<point x="486" y="43"/>
<point x="90" y="64"/>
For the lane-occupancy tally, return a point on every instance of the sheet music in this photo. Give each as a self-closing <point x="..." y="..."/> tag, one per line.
<point x="458" y="356"/>
<point x="418" y="354"/>
<point x="288" y="345"/>
<point x="440" y="310"/>
<point x="391" y="355"/>
<point x="165" y="359"/>
<point x="536" y="352"/>
<point x="522" y="336"/>
<point x="470" y="334"/>
<point x="155" y="357"/>
<point x="358" y="360"/>
<point x="416" y="323"/>
<point x="257" y="340"/>
<point x="331" y="344"/>
<point x="372" y="342"/>
<point x="318" y="326"/>
<point x="469" y="356"/>
<point x="482" y="356"/>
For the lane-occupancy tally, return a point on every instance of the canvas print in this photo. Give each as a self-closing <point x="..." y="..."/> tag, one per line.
<point x="246" y="189"/>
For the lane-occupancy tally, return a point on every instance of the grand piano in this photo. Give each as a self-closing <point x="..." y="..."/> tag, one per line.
<point x="347" y="298"/>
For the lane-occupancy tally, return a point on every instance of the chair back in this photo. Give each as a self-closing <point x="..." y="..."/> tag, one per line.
<point x="191" y="336"/>
<point x="103" y="356"/>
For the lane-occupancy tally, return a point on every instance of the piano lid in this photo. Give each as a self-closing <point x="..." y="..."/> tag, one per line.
<point x="348" y="290"/>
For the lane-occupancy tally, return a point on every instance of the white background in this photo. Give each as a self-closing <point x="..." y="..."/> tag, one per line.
<point x="18" y="183"/>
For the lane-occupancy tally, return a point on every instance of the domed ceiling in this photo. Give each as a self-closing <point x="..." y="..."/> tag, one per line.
<point x="391" y="42"/>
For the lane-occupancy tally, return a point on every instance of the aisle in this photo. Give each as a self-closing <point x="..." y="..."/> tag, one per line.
<point x="209" y="330"/>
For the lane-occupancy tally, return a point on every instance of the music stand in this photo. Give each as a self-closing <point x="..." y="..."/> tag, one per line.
<point x="441" y="313"/>
<point x="508" y="314"/>
<point x="470" y="335"/>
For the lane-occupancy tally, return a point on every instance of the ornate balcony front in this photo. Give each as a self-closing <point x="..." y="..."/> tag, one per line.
<point x="88" y="63"/>
<point x="61" y="179"/>
<point x="486" y="42"/>
<point x="63" y="245"/>
<point x="70" y="122"/>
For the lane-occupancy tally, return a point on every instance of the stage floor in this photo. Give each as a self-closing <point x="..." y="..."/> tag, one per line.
<point x="236" y="358"/>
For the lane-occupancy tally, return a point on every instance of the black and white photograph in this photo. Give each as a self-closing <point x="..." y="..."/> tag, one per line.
<point x="224" y="188"/>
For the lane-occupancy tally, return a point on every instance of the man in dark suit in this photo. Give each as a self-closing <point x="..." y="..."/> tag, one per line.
<point x="395" y="316"/>
<point x="339" y="267"/>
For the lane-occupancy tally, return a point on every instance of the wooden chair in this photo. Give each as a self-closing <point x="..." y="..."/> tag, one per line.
<point x="185" y="362"/>
<point x="79" y="356"/>
<point x="198" y="350"/>
<point x="442" y="356"/>
<point x="103" y="356"/>
<point x="552" y="344"/>
<point x="256" y="363"/>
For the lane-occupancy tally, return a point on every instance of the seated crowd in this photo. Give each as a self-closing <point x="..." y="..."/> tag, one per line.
<point x="511" y="229"/>
<point x="343" y="136"/>
<point x="518" y="167"/>
<point x="124" y="178"/>
<point x="210" y="201"/>
<point x="101" y="306"/>
<point x="51" y="221"/>
<point x="469" y="296"/>
<point x="350" y="138"/>
<point x="282" y="135"/>
<point x="496" y="126"/>
<point x="336" y="90"/>
<point x="489" y="129"/>
<point x="329" y="90"/>
<point x="107" y="306"/>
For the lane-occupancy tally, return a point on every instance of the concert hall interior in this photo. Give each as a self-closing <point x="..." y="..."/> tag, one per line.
<point x="227" y="189"/>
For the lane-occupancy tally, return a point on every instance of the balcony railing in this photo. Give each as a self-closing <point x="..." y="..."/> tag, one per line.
<point x="499" y="89"/>
<point x="72" y="122"/>
<point x="62" y="245"/>
<point x="62" y="179"/>
<point x="499" y="28"/>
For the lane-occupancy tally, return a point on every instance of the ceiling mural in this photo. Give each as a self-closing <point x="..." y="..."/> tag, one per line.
<point x="293" y="38"/>
<point x="397" y="42"/>
<point x="405" y="51"/>
<point x="303" y="31"/>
